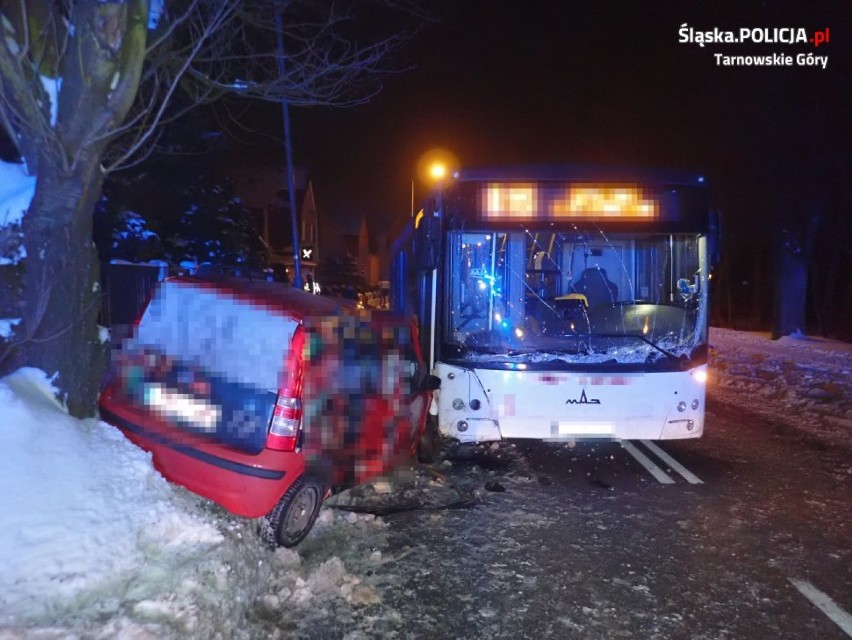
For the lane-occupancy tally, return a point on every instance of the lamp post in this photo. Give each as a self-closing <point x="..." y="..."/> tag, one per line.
<point x="288" y="151"/>
<point x="433" y="168"/>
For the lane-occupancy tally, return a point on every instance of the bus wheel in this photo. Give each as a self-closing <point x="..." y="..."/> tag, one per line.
<point x="294" y="515"/>
<point x="429" y="440"/>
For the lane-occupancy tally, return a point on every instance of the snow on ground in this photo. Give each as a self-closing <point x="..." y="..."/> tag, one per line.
<point x="802" y="382"/>
<point x="88" y="526"/>
<point x="95" y="544"/>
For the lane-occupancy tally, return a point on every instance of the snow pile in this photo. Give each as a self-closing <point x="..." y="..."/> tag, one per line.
<point x="86" y="519"/>
<point x="95" y="543"/>
<point x="802" y="382"/>
<point x="329" y="580"/>
<point x="16" y="192"/>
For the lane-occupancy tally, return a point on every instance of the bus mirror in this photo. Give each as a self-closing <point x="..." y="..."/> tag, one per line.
<point x="685" y="289"/>
<point x="427" y="242"/>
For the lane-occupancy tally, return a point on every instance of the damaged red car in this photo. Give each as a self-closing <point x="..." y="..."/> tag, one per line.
<point x="263" y="398"/>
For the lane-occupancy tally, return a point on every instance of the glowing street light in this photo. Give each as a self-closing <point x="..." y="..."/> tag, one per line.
<point x="433" y="167"/>
<point x="438" y="171"/>
<point x="436" y="165"/>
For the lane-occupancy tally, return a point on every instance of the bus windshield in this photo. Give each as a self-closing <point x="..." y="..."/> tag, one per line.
<point x="573" y="297"/>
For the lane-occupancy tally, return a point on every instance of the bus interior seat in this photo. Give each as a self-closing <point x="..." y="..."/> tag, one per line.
<point x="597" y="288"/>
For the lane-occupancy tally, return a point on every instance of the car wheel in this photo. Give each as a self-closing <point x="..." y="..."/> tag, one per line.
<point x="295" y="514"/>
<point x="428" y="443"/>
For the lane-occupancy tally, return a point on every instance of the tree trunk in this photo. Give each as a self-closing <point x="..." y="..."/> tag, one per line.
<point x="61" y="284"/>
<point x="793" y="251"/>
<point x="791" y="285"/>
<point x="831" y="289"/>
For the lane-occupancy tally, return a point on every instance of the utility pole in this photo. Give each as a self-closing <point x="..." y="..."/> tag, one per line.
<point x="288" y="150"/>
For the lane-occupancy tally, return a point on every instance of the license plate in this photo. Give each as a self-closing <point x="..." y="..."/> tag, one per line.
<point x="585" y="428"/>
<point x="180" y="406"/>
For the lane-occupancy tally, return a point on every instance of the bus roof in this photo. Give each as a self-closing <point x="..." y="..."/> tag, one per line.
<point x="578" y="173"/>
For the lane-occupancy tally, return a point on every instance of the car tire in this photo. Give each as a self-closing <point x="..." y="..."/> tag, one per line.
<point x="427" y="446"/>
<point x="294" y="515"/>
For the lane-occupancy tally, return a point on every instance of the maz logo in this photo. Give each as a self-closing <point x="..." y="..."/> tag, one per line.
<point x="583" y="400"/>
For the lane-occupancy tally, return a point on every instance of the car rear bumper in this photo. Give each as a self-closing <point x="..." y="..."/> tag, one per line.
<point x="244" y="484"/>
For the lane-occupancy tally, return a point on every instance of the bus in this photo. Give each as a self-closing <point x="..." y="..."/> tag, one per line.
<point x="561" y="303"/>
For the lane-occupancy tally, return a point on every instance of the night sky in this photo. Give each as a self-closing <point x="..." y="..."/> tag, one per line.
<point x="502" y="82"/>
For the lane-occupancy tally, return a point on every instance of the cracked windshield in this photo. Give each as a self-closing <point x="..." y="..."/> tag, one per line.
<point x="577" y="297"/>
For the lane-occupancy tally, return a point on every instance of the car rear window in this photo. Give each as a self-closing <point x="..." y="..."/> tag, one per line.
<point x="218" y="332"/>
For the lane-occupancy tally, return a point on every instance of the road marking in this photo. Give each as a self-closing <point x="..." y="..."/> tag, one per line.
<point x="642" y="459"/>
<point x="690" y="477"/>
<point x="838" y="616"/>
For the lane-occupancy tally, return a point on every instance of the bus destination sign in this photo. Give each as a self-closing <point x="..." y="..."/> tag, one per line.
<point x="574" y="201"/>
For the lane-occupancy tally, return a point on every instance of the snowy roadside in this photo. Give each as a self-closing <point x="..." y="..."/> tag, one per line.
<point x="90" y="530"/>
<point x="800" y="381"/>
<point x="95" y="543"/>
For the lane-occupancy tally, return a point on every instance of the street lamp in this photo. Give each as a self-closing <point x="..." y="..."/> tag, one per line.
<point x="433" y="168"/>
<point x="438" y="171"/>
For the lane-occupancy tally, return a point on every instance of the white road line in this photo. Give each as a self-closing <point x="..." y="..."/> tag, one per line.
<point x="838" y="616"/>
<point x="642" y="459"/>
<point x="690" y="477"/>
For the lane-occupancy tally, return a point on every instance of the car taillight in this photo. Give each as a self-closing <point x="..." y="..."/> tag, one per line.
<point x="284" y="426"/>
<point x="286" y="419"/>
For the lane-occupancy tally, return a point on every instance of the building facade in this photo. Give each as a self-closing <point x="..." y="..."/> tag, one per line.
<point x="263" y="188"/>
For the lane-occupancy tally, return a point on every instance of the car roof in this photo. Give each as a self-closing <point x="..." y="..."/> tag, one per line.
<point x="277" y="297"/>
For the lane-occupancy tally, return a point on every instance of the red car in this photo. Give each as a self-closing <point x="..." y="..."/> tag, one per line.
<point x="213" y="383"/>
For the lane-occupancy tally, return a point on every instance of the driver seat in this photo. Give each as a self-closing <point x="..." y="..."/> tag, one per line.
<point x="597" y="288"/>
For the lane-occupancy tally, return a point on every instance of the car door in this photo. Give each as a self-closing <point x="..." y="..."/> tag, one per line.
<point x="358" y="395"/>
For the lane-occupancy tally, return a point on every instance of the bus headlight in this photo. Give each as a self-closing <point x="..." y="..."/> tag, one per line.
<point x="475" y="404"/>
<point x="681" y="406"/>
<point x="458" y="404"/>
<point x="695" y="404"/>
<point x="700" y="376"/>
<point x="461" y="425"/>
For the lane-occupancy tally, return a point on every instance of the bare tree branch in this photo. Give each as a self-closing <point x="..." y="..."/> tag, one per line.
<point x="220" y="16"/>
<point x="201" y="51"/>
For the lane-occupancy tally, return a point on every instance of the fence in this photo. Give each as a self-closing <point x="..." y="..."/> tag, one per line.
<point x="127" y="287"/>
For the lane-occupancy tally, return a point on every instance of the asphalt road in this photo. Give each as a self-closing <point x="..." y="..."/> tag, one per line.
<point x="585" y="542"/>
